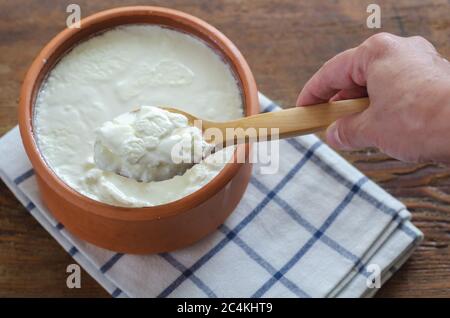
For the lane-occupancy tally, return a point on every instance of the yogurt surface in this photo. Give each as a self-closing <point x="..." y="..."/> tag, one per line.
<point x="114" y="73"/>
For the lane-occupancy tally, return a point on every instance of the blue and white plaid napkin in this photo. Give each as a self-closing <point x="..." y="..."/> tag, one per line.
<point x="314" y="229"/>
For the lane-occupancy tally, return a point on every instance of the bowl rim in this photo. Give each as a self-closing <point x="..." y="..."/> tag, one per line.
<point x="185" y="204"/>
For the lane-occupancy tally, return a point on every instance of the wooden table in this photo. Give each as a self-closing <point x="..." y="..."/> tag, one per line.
<point x="285" y="42"/>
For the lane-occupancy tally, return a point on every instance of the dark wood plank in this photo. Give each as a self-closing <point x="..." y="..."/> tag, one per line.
<point x="285" y="42"/>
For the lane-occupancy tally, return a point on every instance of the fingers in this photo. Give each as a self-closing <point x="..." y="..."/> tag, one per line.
<point x="349" y="133"/>
<point x="357" y="92"/>
<point x="339" y="73"/>
<point x="348" y="71"/>
<point x="339" y="78"/>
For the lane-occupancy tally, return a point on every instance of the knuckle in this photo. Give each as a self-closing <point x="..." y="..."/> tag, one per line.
<point x="382" y="39"/>
<point x="418" y="38"/>
<point x="421" y="41"/>
<point x="381" y="43"/>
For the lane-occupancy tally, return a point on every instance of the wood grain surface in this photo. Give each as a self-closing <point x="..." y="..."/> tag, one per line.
<point x="285" y="42"/>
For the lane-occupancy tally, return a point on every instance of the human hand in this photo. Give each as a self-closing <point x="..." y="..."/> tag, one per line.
<point x="408" y="84"/>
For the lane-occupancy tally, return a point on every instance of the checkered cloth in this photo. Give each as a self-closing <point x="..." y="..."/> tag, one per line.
<point x="314" y="229"/>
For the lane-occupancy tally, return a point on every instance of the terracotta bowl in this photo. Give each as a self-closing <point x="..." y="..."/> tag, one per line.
<point x="138" y="230"/>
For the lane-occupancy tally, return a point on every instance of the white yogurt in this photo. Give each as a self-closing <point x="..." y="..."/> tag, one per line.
<point x="115" y="73"/>
<point x="149" y="144"/>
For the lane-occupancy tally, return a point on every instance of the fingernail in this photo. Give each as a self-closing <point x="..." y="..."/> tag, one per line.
<point x="333" y="136"/>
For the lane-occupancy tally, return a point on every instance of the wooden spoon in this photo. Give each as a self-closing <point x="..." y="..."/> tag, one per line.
<point x="285" y="123"/>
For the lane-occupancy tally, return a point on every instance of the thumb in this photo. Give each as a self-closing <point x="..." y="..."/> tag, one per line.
<point x="348" y="133"/>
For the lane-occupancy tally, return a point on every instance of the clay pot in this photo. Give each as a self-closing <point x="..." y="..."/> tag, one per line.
<point x="138" y="230"/>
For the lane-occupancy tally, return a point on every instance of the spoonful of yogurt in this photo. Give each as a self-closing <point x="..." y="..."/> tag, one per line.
<point x="149" y="144"/>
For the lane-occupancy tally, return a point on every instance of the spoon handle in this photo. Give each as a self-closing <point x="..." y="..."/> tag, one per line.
<point x="290" y="122"/>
